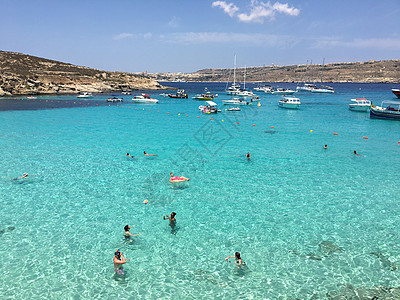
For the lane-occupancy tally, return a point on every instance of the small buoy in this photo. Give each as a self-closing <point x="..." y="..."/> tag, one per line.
<point x="237" y="122"/>
<point x="365" y="137"/>
<point x="179" y="114"/>
<point x="135" y="107"/>
<point x="74" y="102"/>
<point x="158" y="111"/>
<point x="143" y="108"/>
<point x="398" y="142"/>
<point x="129" y="107"/>
<point x="212" y="119"/>
<point x="187" y="116"/>
<point x="167" y="112"/>
<point x="226" y="109"/>
<point x="254" y="124"/>
<point x="272" y="127"/>
<point x="149" y="110"/>
<point x="198" y="117"/>
<point x="117" y="105"/>
<point x="222" y="120"/>
<point x="145" y="201"/>
<point x="335" y="133"/>
<point x="311" y="131"/>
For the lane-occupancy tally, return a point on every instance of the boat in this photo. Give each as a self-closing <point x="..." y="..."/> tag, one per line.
<point x="234" y="109"/>
<point x="143" y="98"/>
<point x="289" y="102"/>
<point x="178" y="80"/>
<point x="115" y="99"/>
<point x="307" y="87"/>
<point x="85" y="95"/>
<point x="281" y="91"/>
<point x="180" y="94"/>
<point x="396" y="92"/>
<point x="387" y="110"/>
<point x="264" y="88"/>
<point x="205" y="96"/>
<point x="360" y="105"/>
<point x="235" y="86"/>
<point x="31" y="98"/>
<point x="323" y="89"/>
<point x="236" y="101"/>
<point x="126" y="93"/>
<point x="209" y="108"/>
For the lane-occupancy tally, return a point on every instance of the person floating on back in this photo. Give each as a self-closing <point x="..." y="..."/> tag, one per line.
<point x="119" y="260"/>
<point x="149" y="154"/>
<point x="177" y="178"/>
<point x="128" y="155"/>
<point x="24" y="176"/>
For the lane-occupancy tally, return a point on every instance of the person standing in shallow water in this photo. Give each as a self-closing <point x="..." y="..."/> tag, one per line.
<point x="238" y="259"/>
<point x="127" y="234"/>
<point x="172" y="221"/>
<point x="119" y="260"/>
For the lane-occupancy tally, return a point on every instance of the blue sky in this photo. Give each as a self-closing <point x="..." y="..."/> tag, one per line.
<point x="185" y="36"/>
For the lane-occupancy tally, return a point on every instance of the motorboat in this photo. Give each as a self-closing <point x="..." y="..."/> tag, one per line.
<point x="265" y="88"/>
<point x="234" y="109"/>
<point x="115" y="99"/>
<point x="205" y="96"/>
<point x="178" y="80"/>
<point x="323" y="89"/>
<point x="235" y="101"/>
<point x="281" y="91"/>
<point x="85" y="95"/>
<point x="209" y="108"/>
<point x="387" y="110"/>
<point x="180" y="94"/>
<point x="289" y="102"/>
<point x="244" y="93"/>
<point x="396" y="92"/>
<point x="126" y="93"/>
<point x="143" y="98"/>
<point x="360" y="105"/>
<point x="31" y="98"/>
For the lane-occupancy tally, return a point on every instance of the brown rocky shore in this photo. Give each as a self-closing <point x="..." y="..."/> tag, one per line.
<point x="22" y="74"/>
<point x="384" y="71"/>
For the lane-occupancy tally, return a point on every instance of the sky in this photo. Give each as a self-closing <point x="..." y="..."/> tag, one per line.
<point x="186" y="36"/>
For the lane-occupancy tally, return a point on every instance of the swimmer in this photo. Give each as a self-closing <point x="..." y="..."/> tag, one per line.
<point x="24" y="176"/>
<point x="119" y="260"/>
<point x="172" y="222"/>
<point x="177" y="178"/>
<point x="127" y="234"/>
<point x="149" y="154"/>
<point x="128" y="155"/>
<point x="248" y="155"/>
<point x="326" y="147"/>
<point x="355" y="152"/>
<point x="238" y="259"/>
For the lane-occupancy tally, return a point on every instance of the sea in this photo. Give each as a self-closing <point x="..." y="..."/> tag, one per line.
<point x="308" y="222"/>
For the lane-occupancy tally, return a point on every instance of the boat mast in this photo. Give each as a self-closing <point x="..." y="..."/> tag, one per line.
<point x="322" y="70"/>
<point x="234" y="71"/>
<point x="244" y="78"/>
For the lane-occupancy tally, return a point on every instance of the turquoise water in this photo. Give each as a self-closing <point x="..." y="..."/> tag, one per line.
<point x="59" y="229"/>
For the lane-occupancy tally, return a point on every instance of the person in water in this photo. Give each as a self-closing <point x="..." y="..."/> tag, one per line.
<point x="128" y="155"/>
<point x="149" y="154"/>
<point x="172" y="221"/>
<point x="248" y="155"/>
<point x="238" y="259"/>
<point x="177" y="178"/>
<point x="326" y="147"/>
<point x="119" y="260"/>
<point x="127" y="234"/>
<point x="24" y="176"/>
<point x="355" y="152"/>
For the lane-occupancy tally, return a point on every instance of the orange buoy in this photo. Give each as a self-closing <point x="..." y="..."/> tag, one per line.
<point x="212" y="119"/>
<point x="158" y="111"/>
<point x="237" y="122"/>
<point x="365" y="137"/>
<point x="272" y="127"/>
<point x="199" y="117"/>
<point x="335" y="133"/>
<point x="187" y="116"/>
<point x="254" y="124"/>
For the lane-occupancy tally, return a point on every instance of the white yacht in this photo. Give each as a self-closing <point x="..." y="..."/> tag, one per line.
<point x="289" y="102"/>
<point x="235" y="101"/>
<point x="144" y="99"/>
<point x="281" y="91"/>
<point x="85" y="95"/>
<point x="360" y="105"/>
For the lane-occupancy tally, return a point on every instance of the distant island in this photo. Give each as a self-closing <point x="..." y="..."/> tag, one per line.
<point x="22" y="74"/>
<point x="385" y="71"/>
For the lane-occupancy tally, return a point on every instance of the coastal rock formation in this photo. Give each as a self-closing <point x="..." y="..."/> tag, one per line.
<point x="386" y="71"/>
<point x="22" y="74"/>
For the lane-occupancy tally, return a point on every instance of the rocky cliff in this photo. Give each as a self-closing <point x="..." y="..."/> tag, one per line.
<point x="22" y="74"/>
<point x="365" y="72"/>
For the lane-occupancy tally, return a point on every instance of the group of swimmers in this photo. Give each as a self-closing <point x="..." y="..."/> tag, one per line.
<point x="120" y="260"/>
<point x="354" y="152"/>
<point x="144" y="152"/>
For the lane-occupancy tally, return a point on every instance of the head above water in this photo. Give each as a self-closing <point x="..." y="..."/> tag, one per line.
<point x="237" y="255"/>
<point x="126" y="228"/>
<point x="117" y="253"/>
<point x="144" y="152"/>
<point x="173" y="214"/>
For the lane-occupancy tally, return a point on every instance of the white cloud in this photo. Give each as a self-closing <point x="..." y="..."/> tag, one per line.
<point x="229" y="9"/>
<point x="122" y="36"/>
<point x="259" y="11"/>
<point x="174" y="22"/>
<point x="256" y="39"/>
<point x="126" y="35"/>
<point x="372" y="43"/>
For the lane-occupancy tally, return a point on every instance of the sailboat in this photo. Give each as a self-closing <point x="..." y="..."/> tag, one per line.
<point x="323" y="88"/>
<point x="243" y="92"/>
<point x="266" y="88"/>
<point x="306" y="87"/>
<point x="235" y="86"/>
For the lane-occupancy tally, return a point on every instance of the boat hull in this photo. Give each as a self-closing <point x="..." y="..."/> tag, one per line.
<point x="396" y="92"/>
<point x="289" y="105"/>
<point x="359" y="108"/>
<point x="384" y="114"/>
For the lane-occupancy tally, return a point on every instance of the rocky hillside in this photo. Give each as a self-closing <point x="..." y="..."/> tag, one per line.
<point x="367" y="72"/>
<point x="22" y="74"/>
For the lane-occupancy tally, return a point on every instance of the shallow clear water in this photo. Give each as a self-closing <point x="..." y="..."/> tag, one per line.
<point x="59" y="229"/>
